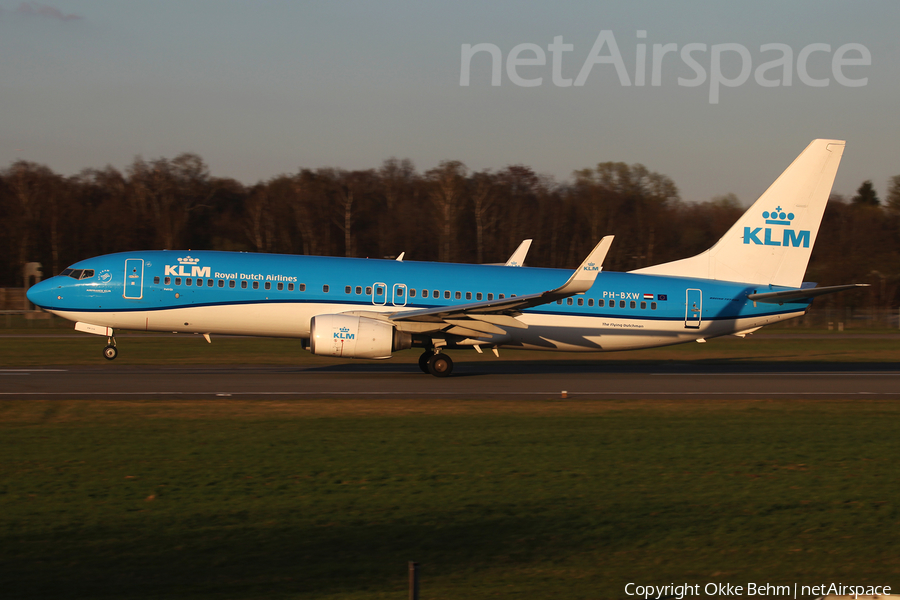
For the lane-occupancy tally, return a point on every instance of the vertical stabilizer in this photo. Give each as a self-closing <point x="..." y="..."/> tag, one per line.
<point x="772" y="242"/>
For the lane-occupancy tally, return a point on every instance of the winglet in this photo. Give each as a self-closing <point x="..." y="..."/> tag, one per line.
<point x="400" y="258"/>
<point x="518" y="257"/>
<point x="583" y="277"/>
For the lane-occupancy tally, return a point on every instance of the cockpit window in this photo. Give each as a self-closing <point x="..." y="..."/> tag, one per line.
<point x="77" y="273"/>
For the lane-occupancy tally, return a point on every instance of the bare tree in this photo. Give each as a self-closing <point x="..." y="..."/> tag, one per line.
<point x="483" y="201"/>
<point x="396" y="177"/>
<point x="448" y="184"/>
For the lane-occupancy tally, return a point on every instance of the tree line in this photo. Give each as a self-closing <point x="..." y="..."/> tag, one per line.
<point x="448" y="213"/>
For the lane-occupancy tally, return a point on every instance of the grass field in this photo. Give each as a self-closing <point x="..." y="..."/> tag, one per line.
<point x="517" y="499"/>
<point x="495" y="499"/>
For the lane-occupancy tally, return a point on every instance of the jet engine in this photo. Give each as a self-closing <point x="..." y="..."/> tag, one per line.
<point x="350" y="336"/>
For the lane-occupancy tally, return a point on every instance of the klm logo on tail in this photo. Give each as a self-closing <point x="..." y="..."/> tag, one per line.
<point x="790" y="237"/>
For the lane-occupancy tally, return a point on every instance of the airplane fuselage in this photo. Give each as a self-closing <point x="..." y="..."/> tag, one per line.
<point x="278" y="295"/>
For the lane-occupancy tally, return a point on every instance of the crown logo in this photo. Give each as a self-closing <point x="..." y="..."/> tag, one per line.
<point x="187" y="260"/>
<point x="778" y="217"/>
<point x="345" y="329"/>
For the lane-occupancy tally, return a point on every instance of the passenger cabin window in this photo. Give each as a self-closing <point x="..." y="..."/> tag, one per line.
<point x="581" y="302"/>
<point x="569" y="301"/>
<point x="347" y="289"/>
<point x="478" y="296"/>
<point x="379" y="290"/>
<point x="255" y="285"/>
<point x="291" y="287"/>
<point x="632" y="304"/>
<point x="643" y="305"/>
<point x="231" y="283"/>
<point x="221" y="283"/>
<point x="653" y="306"/>
<point x="601" y="303"/>
<point x="500" y="296"/>
<point x="167" y="280"/>
<point x="268" y="285"/>
<point x="325" y="288"/>
<point x="209" y="283"/>
<point x="621" y="304"/>
<point x="436" y="294"/>
<point x="178" y="281"/>
<point x="156" y="280"/>
<point x="368" y="290"/>
<point x="188" y="281"/>
<point x="399" y="292"/>
<point x="590" y="301"/>
<point x="412" y="293"/>
<point x="490" y="296"/>
<point x="280" y="286"/>
<point x="468" y="295"/>
<point x="301" y="287"/>
<point x="458" y="295"/>
<point x="243" y="285"/>
<point x="447" y="294"/>
<point x="358" y="290"/>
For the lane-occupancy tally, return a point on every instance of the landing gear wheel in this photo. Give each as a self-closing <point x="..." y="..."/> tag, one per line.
<point x="440" y="365"/>
<point x="110" y="352"/>
<point x="423" y="360"/>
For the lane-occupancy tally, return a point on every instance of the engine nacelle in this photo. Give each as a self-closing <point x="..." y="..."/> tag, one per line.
<point x="350" y="336"/>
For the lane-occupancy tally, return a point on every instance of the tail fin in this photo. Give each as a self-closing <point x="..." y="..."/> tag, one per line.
<point x="772" y="241"/>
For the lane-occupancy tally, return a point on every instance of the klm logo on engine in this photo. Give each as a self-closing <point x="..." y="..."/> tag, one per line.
<point x="344" y="334"/>
<point x="788" y="237"/>
<point x="181" y="270"/>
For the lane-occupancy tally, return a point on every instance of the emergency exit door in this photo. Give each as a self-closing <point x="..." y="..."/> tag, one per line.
<point x="134" y="278"/>
<point x="693" y="311"/>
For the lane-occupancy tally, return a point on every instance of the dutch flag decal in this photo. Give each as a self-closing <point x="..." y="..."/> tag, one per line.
<point x="648" y="296"/>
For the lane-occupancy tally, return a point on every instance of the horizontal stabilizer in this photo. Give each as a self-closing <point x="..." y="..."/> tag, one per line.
<point x="795" y="295"/>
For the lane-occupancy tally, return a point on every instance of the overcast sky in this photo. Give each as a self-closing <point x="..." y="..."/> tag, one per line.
<point x="263" y="88"/>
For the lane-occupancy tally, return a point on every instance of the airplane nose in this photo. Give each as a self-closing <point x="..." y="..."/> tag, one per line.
<point x="44" y="293"/>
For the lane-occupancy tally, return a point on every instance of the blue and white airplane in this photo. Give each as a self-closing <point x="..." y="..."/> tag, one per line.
<point x="365" y="308"/>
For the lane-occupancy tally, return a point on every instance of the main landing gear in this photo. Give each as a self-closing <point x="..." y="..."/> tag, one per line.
<point x="436" y="364"/>
<point x="110" y="352"/>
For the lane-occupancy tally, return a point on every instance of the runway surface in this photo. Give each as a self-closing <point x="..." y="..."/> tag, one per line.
<point x="510" y="379"/>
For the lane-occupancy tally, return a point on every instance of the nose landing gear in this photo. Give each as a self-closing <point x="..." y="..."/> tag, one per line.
<point x="110" y="352"/>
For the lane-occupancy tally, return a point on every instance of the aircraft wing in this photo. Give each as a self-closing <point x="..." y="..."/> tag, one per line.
<point x="518" y="257"/>
<point x="500" y="311"/>
<point x="803" y="294"/>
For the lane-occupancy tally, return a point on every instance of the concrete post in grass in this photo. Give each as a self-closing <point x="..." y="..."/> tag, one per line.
<point x="413" y="580"/>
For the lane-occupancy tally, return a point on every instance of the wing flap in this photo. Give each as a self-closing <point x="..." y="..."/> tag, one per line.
<point x="475" y="325"/>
